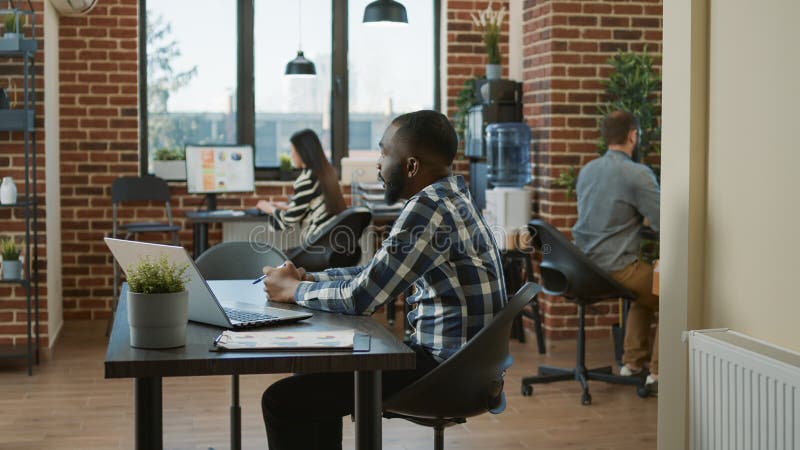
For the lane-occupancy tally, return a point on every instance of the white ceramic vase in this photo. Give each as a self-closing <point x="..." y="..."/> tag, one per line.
<point x="8" y="191"/>
<point x="493" y="71"/>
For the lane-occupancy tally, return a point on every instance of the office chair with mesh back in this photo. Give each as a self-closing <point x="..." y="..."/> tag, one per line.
<point x="567" y="272"/>
<point x="336" y="245"/>
<point x="468" y="383"/>
<point x="133" y="189"/>
<point x="226" y="261"/>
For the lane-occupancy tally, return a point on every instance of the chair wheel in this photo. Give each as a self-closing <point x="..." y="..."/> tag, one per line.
<point x="643" y="391"/>
<point x="527" y="390"/>
<point x="586" y="399"/>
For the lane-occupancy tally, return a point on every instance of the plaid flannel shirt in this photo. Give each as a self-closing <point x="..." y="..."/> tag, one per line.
<point x="441" y="246"/>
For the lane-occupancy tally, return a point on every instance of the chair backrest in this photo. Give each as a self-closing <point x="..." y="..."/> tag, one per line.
<point x="238" y="260"/>
<point x="567" y="271"/>
<point x="336" y="244"/>
<point x="471" y="381"/>
<point x="146" y="188"/>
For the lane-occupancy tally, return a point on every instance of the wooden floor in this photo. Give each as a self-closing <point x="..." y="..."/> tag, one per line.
<point x="67" y="404"/>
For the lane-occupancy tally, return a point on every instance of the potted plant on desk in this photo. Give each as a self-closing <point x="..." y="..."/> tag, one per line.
<point x="12" y="266"/>
<point x="285" y="167"/>
<point x="158" y="304"/>
<point x="170" y="164"/>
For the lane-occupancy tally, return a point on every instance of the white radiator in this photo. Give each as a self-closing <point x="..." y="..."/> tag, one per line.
<point x="744" y="393"/>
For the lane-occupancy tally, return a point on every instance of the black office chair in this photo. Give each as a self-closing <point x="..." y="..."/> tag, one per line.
<point x="336" y="245"/>
<point x="227" y="261"/>
<point x="468" y="383"/>
<point x="133" y="189"/>
<point x="567" y="272"/>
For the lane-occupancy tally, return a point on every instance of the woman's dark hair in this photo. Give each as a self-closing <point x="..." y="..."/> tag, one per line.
<point x="309" y="148"/>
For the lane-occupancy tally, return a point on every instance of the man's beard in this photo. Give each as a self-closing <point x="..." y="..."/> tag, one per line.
<point x="394" y="186"/>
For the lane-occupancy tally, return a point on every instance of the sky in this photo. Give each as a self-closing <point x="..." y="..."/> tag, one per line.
<point x="384" y="63"/>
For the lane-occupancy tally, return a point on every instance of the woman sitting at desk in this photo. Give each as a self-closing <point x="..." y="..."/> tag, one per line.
<point x="317" y="196"/>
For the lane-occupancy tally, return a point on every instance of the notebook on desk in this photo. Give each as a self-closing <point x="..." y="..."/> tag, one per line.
<point x="292" y="340"/>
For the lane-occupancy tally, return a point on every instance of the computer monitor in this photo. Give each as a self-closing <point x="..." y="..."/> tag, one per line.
<point x="219" y="169"/>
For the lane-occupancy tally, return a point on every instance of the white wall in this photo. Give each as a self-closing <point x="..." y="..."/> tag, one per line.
<point x="55" y="307"/>
<point x="753" y="243"/>
<point x="729" y="193"/>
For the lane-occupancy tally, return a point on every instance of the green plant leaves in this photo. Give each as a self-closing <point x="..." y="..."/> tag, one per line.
<point x="159" y="277"/>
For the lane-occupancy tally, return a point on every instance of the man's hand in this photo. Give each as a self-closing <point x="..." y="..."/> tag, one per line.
<point x="280" y="289"/>
<point x="288" y="270"/>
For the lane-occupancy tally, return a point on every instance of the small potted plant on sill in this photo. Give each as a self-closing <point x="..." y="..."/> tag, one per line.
<point x="489" y="22"/>
<point x="158" y="304"/>
<point x="285" y="169"/>
<point x="170" y="164"/>
<point x="10" y="23"/>
<point x="12" y="266"/>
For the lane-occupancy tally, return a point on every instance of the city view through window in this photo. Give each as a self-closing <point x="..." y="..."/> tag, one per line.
<point x="191" y="73"/>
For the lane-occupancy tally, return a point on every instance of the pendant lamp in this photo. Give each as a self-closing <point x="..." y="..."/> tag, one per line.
<point x="385" y="13"/>
<point x="300" y="66"/>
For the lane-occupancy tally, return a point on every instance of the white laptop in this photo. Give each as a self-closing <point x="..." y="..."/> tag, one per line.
<point x="231" y="304"/>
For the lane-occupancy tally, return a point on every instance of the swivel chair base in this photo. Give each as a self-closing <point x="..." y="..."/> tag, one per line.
<point x="548" y="374"/>
<point x="580" y="373"/>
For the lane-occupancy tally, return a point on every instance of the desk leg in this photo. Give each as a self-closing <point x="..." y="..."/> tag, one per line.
<point x="236" y="415"/>
<point x="368" y="410"/>
<point x="199" y="239"/>
<point x="147" y="409"/>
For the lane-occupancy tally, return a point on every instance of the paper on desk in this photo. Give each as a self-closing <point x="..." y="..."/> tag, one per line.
<point x="285" y="340"/>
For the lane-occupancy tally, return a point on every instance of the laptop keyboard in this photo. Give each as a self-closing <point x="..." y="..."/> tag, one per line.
<point x="246" y="317"/>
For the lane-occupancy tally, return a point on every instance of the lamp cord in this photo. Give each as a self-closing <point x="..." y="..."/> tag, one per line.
<point x="300" y="25"/>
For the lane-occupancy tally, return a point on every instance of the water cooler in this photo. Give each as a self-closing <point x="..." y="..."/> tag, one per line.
<point x="508" y="203"/>
<point x="497" y="101"/>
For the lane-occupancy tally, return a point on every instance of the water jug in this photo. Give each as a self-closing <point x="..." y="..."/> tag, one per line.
<point x="508" y="152"/>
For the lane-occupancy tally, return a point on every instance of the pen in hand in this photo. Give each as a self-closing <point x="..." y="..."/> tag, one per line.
<point x="257" y="280"/>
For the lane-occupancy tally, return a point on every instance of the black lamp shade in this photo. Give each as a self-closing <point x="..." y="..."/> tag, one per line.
<point x="300" y="66"/>
<point x="385" y="11"/>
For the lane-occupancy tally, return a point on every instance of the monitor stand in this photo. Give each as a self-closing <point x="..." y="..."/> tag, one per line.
<point x="211" y="202"/>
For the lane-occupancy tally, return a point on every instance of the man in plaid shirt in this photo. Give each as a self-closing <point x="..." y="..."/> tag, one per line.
<point x="440" y="245"/>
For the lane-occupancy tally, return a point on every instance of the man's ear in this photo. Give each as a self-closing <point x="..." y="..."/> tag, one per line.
<point x="412" y="166"/>
<point x="632" y="135"/>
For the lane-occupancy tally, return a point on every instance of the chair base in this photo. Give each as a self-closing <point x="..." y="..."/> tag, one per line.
<point x="438" y="425"/>
<point x="548" y="374"/>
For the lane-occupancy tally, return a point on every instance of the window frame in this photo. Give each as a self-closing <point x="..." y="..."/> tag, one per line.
<point x="245" y="80"/>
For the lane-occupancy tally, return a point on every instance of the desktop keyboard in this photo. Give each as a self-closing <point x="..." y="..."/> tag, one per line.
<point x="247" y="317"/>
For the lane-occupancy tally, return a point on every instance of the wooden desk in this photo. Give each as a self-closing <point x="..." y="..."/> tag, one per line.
<point x="201" y="219"/>
<point x="147" y="367"/>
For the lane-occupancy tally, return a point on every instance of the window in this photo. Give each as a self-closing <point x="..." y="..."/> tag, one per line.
<point x="391" y="70"/>
<point x="291" y="103"/>
<point x="191" y="73"/>
<point x="214" y="74"/>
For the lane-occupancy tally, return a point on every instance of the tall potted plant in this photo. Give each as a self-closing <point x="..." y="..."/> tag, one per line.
<point x="12" y="266"/>
<point x="170" y="164"/>
<point x="158" y="304"/>
<point x="488" y="22"/>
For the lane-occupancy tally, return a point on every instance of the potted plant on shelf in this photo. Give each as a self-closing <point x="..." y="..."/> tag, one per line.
<point x="12" y="266"/>
<point x="158" y="304"/>
<point x="285" y="168"/>
<point x="170" y="164"/>
<point x="10" y="23"/>
<point x="489" y="21"/>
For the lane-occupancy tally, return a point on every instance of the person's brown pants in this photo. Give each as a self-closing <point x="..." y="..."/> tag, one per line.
<point x="638" y="277"/>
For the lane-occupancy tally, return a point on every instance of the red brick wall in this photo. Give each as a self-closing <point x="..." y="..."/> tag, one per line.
<point x="466" y="54"/>
<point x="565" y="48"/>
<point x="13" y="307"/>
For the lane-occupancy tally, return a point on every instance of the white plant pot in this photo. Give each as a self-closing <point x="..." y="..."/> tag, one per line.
<point x="158" y="320"/>
<point x="494" y="71"/>
<point x="170" y="170"/>
<point x="12" y="270"/>
<point x="8" y="191"/>
<point x="11" y="35"/>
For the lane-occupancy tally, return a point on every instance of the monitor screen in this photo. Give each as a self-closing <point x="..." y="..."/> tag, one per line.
<point x="219" y="169"/>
